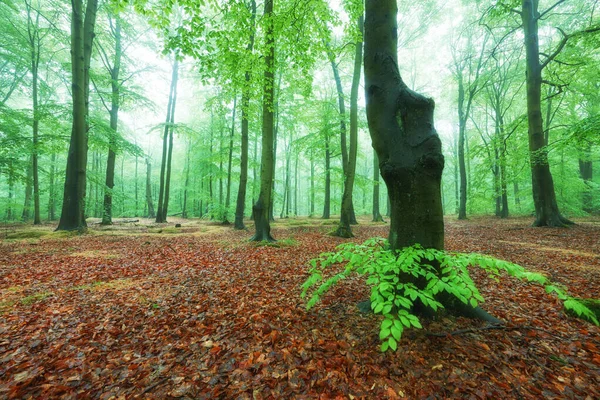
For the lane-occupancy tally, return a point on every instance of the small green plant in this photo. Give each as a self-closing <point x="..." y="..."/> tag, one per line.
<point x="440" y="271"/>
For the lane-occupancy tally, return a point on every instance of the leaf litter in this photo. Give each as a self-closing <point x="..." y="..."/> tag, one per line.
<point x="214" y="316"/>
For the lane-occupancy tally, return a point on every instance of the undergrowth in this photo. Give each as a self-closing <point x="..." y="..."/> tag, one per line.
<point x="442" y="271"/>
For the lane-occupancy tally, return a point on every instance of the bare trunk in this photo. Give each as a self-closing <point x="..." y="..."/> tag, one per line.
<point x="544" y="197"/>
<point x="82" y="35"/>
<point x="262" y="206"/>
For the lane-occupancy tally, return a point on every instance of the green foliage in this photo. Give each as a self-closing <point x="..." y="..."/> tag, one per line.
<point x="392" y="276"/>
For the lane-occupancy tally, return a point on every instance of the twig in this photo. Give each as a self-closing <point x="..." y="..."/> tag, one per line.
<point x="155" y="384"/>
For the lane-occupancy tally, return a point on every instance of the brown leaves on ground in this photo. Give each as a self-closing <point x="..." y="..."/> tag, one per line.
<point x="214" y="316"/>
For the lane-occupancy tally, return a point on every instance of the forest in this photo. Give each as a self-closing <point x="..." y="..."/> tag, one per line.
<point x="299" y="199"/>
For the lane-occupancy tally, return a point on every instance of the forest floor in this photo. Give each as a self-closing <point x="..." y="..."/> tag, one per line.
<point x="143" y="311"/>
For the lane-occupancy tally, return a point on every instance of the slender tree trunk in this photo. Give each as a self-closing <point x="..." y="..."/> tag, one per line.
<point x="544" y="196"/>
<point x="587" y="174"/>
<point x="51" y="189"/>
<point x="241" y="196"/>
<point x="229" y="163"/>
<point x="327" y="202"/>
<point x="187" y="181"/>
<point x="149" y="204"/>
<point x="33" y="30"/>
<point x="312" y="183"/>
<point x="262" y="206"/>
<point x="114" y="123"/>
<point x="26" y="214"/>
<point x="82" y="35"/>
<point x="136" y="187"/>
<point x="11" y="190"/>
<point x="376" y="213"/>
<point x="296" y="186"/>
<point x="462" y="118"/>
<point x="165" y="167"/>
<point x="347" y="209"/>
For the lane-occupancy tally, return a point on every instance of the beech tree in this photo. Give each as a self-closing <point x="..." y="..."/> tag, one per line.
<point x="82" y="37"/>
<point x="261" y="209"/>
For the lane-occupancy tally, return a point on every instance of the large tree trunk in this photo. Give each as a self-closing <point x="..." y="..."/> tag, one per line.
<point x="406" y="142"/>
<point x="402" y="132"/>
<point x="544" y="197"/>
<point x="261" y="209"/>
<point x="114" y="122"/>
<point x="347" y="211"/>
<point x="82" y="35"/>
<point x="241" y="196"/>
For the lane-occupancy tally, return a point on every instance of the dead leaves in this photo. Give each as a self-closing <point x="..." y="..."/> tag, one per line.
<point x="212" y="316"/>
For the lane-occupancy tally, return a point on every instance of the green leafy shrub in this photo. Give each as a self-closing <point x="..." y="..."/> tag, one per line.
<point x="441" y="272"/>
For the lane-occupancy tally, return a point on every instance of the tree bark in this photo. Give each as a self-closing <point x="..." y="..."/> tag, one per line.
<point x="149" y="205"/>
<point x="82" y="36"/>
<point x="402" y="132"/>
<point x="327" y="201"/>
<point x="114" y="122"/>
<point x="262" y="207"/>
<point x="51" y="183"/>
<point x="587" y="174"/>
<point x="26" y="214"/>
<point x="165" y="167"/>
<point x="347" y="211"/>
<point x="462" y="119"/>
<point x="544" y="196"/>
<point x="241" y="196"/>
<point x="229" y="163"/>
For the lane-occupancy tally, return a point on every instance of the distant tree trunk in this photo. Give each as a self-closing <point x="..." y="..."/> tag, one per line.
<point x="376" y="213"/>
<point x="229" y="163"/>
<point x="462" y="209"/>
<point x="165" y="167"/>
<point x="544" y="196"/>
<point x="149" y="205"/>
<point x="275" y="133"/>
<point x="35" y="40"/>
<point x="169" y="160"/>
<point x="136" y="187"/>
<point x="347" y="210"/>
<point x="82" y="36"/>
<point x="26" y="214"/>
<point x="327" y="203"/>
<point x="312" y="183"/>
<point x="11" y="190"/>
<point x="587" y="174"/>
<point x="296" y="186"/>
<point x="51" y="186"/>
<point x="241" y="196"/>
<point x="262" y="206"/>
<point x="184" y="213"/>
<point x="114" y="123"/>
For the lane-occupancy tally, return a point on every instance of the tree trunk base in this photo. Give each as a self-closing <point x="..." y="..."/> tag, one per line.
<point x="262" y="238"/>
<point x="554" y="221"/>
<point x="343" y="232"/>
